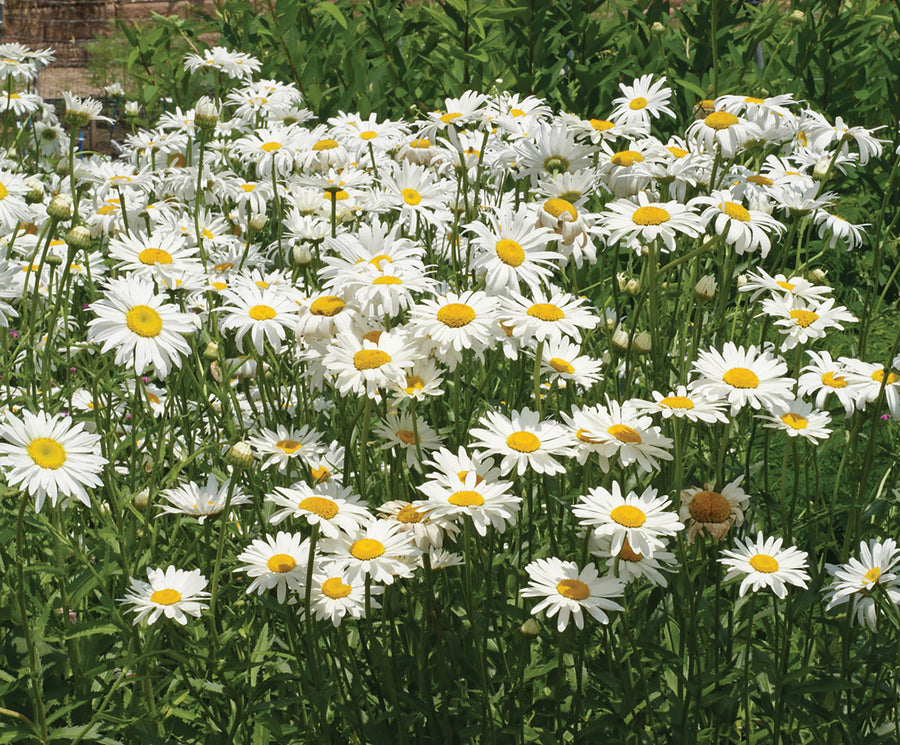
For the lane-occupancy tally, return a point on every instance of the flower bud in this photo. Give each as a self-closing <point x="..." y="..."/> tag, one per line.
<point x="705" y="289"/>
<point x="35" y="195"/>
<point x="78" y="238"/>
<point x="796" y="17"/>
<point x="643" y="343"/>
<point x="622" y="281"/>
<point x="620" y="340"/>
<point x="530" y="628"/>
<point x="54" y="260"/>
<point x="817" y="275"/>
<point x="206" y="114"/>
<point x="60" y="207"/>
<point x="258" y="221"/>
<point x="633" y="287"/>
<point x="657" y="29"/>
<point x="132" y="108"/>
<point x="741" y="280"/>
<point x="141" y="498"/>
<point x="302" y="254"/>
<point x="240" y="455"/>
<point x="820" y="170"/>
<point x="114" y="90"/>
<point x="211" y="352"/>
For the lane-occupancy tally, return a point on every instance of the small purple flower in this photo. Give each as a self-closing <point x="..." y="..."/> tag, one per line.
<point x="885" y="417"/>
<point x="14" y="334"/>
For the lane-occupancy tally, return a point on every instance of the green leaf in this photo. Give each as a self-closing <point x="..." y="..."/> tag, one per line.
<point x="332" y="10"/>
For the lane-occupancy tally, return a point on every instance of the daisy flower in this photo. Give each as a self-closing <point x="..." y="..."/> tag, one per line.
<point x="333" y="596"/>
<point x="174" y="593"/>
<point x="629" y="565"/>
<point x="510" y="250"/>
<point x="327" y="504"/>
<point x="713" y="511"/>
<point x="586" y="432"/>
<point x="868" y="379"/>
<point x="724" y="131"/>
<point x="50" y="457"/>
<point x="379" y="550"/>
<point x="564" y="362"/>
<point x="763" y="563"/>
<point x="643" y="99"/>
<point x="800" y="322"/>
<point x="641" y="223"/>
<point x="621" y="432"/>
<point x="567" y="592"/>
<point x="548" y="315"/>
<point x="201" y="501"/>
<point x="799" y="419"/>
<point x="278" y="562"/>
<point x="552" y="149"/>
<point x="487" y="503"/>
<point x="744" y="377"/>
<point x="854" y="582"/>
<point x="683" y="404"/>
<point x="399" y="431"/>
<point x="263" y="313"/>
<point x="427" y="529"/>
<point x="424" y="379"/>
<point x="452" y="468"/>
<point x="268" y="149"/>
<point x="143" y="329"/>
<point x="823" y="376"/>
<point x="748" y="230"/>
<point x="641" y="520"/>
<point x="283" y="445"/>
<point x="838" y="229"/>
<point x="781" y="286"/>
<point x="452" y="323"/>
<point x="363" y="366"/>
<point x="523" y="441"/>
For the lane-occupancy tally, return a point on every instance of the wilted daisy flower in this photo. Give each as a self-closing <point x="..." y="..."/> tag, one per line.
<point x="50" y="456"/>
<point x="174" y="593"/>
<point x="329" y="505"/>
<point x="487" y="503"/>
<point x="742" y="377"/>
<point x="282" y="446"/>
<point x="379" y="550"/>
<point x="683" y="404"/>
<point x="629" y="565"/>
<point x="855" y="581"/>
<point x="641" y="520"/>
<point x="838" y="229"/>
<point x="713" y="511"/>
<point x="333" y="596"/>
<point x="568" y="592"/>
<point x="823" y="376"/>
<point x="141" y="327"/>
<point x="278" y="562"/>
<point x="201" y="501"/>
<point x="802" y="321"/>
<point x="799" y="419"/>
<point x="763" y="563"/>
<point x="523" y="441"/>
<point x="643" y="99"/>
<point x="645" y="221"/>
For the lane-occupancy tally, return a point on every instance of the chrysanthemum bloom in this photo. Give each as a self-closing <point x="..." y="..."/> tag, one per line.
<point x="279" y="562"/>
<point x="50" y="456"/>
<point x="200" y="501"/>
<point x="745" y="377"/>
<point x="799" y="419"/>
<point x="567" y="592"/>
<point x="523" y="441"/>
<point x="713" y="511"/>
<point x="174" y="593"/>
<point x="641" y="520"/>
<point x="141" y="327"/>
<point x="763" y="563"/>
<point x="855" y="581"/>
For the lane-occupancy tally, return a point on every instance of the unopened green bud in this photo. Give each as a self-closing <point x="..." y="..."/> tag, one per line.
<point x="530" y="628"/>
<point x="796" y="17"/>
<point x="78" y="238"/>
<point x="60" y="207"/>
<point x="240" y="455"/>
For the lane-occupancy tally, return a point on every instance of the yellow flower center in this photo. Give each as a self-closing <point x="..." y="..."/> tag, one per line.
<point x="624" y="433"/>
<point x="561" y="366"/>
<point x="736" y="212"/>
<point x="804" y="317"/>
<point x="411" y="197"/>
<point x="456" y="315"/>
<point x="872" y="575"/>
<point x="327" y="305"/>
<point x="466" y="499"/>
<point x="369" y="134"/>
<point x="760" y="180"/>
<point x="409" y="515"/>
<point x="786" y="286"/>
<point x="523" y="442"/>
<point x="546" y="312"/>
<point x="281" y="563"/>
<point x="764" y="563"/>
<point x="626" y="158"/>
<point x="420" y="144"/>
<point x="289" y="446"/>
<point x="144" y="321"/>
<point x="794" y="421"/>
<point x="510" y="252"/>
<point x="677" y="151"/>
<point x="324" y="508"/>
<point x="334" y="588"/>
<point x="719" y="120"/>
<point x="370" y="359"/>
<point x="638" y="103"/>
<point x="628" y="516"/>
<point x="223" y="267"/>
<point x="387" y="279"/>
<point x="583" y="435"/>
<point x="650" y="216"/>
<point x="556" y="207"/>
<point x="367" y="548"/>
<point x="248" y="187"/>
<point x="376" y="260"/>
<point x="516" y="112"/>
<point x="709" y="507"/>
<point x="262" y="313"/>
<point x="573" y="589"/>
<point x="326" y="144"/>
<point x="151" y="256"/>
<point x="372" y="336"/>
<point x="406" y="436"/>
<point x="450" y="116"/>
<point x="165" y="597"/>
<point x="751" y="99"/>
<point x="677" y="402"/>
<point x="601" y="125"/>
<point x="270" y="147"/>
<point x="878" y="376"/>
<point x="47" y="452"/>
<point x="414" y="383"/>
<point x="338" y="195"/>
<point x="320" y="474"/>
<point x="741" y="377"/>
<point x="834" y="381"/>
